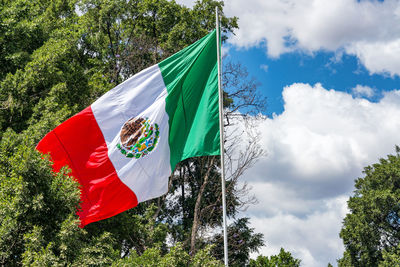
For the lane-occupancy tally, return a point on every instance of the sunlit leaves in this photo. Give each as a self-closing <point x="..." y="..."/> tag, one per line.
<point x="371" y="230"/>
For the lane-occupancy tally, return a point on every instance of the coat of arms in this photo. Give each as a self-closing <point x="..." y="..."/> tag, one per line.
<point x="138" y="137"/>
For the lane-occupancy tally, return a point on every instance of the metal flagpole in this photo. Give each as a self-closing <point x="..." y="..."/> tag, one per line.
<point x="221" y="138"/>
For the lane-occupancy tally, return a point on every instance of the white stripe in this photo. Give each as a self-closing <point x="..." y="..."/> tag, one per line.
<point x="142" y="95"/>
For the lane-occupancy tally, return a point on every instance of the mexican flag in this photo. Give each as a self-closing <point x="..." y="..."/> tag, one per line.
<point x="123" y="148"/>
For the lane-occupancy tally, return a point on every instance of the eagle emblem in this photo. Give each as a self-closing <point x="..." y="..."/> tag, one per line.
<point x="138" y="137"/>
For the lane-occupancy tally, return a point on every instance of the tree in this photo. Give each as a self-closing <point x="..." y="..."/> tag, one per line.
<point x="242" y="240"/>
<point x="38" y="220"/>
<point x="176" y="256"/>
<point x="193" y="208"/>
<point x="283" y="259"/>
<point x="370" y="231"/>
<point x="57" y="57"/>
<point x="142" y="36"/>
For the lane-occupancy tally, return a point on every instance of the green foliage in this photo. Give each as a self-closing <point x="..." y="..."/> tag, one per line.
<point x="371" y="230"/>
<point x="241" y="242"/>
<point x="180" y="212"/>
<point x="25" y="26"/>
<point x="37" y="211"/>
<point x="56" y="58"/>
<point x="135" y="230"/>
<point x="176" y="257"/>
<point x="391" y="257"/>
<point x="54" y="76"/>
<point x="283" y="259"/>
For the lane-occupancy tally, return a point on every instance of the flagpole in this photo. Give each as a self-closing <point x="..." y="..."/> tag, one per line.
<point x="221" y="138"/>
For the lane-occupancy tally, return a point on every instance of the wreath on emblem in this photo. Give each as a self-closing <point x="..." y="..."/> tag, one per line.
<point x="138" y="137"/>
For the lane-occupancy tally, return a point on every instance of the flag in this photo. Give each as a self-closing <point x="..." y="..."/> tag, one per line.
<point x="123" y="147"/>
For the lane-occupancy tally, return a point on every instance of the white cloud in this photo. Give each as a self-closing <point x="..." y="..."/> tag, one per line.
<point x="187" y="3"/>
<point x="225" y="50"/>
<point x="264" y="67"/>
<point x="311" y="238"/>
<point x="368" y="29"/>
<point x="378" y="57"/>
<point x="324" y="138"/>
<point x="316" y="149"/>
<point x="362" y="90"/>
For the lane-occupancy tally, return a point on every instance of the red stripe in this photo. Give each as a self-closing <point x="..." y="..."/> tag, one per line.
<point x="79" y="143"/>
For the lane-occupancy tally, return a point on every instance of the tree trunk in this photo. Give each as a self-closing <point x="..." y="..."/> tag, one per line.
<point x="196" y="216"/>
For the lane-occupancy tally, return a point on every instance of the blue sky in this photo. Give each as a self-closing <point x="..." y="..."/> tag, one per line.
<point x="330" y="70"/>
<point x="320" y="67"/>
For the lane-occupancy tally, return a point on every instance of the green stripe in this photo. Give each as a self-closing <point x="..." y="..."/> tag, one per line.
<point x="191" y="79"/>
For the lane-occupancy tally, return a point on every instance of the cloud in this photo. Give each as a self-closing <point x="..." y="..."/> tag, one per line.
<point x="315" y="150"/>
<point x="225" y="50"/>
<point x="187" y="3"/>
<point x="310" y="239"/>
<point x="378" y="57"/>
<point x="362" y="91"/>
<point x="368" y="29"/>
<point x="264" y="67"/>
<point x="320" y="143"/>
